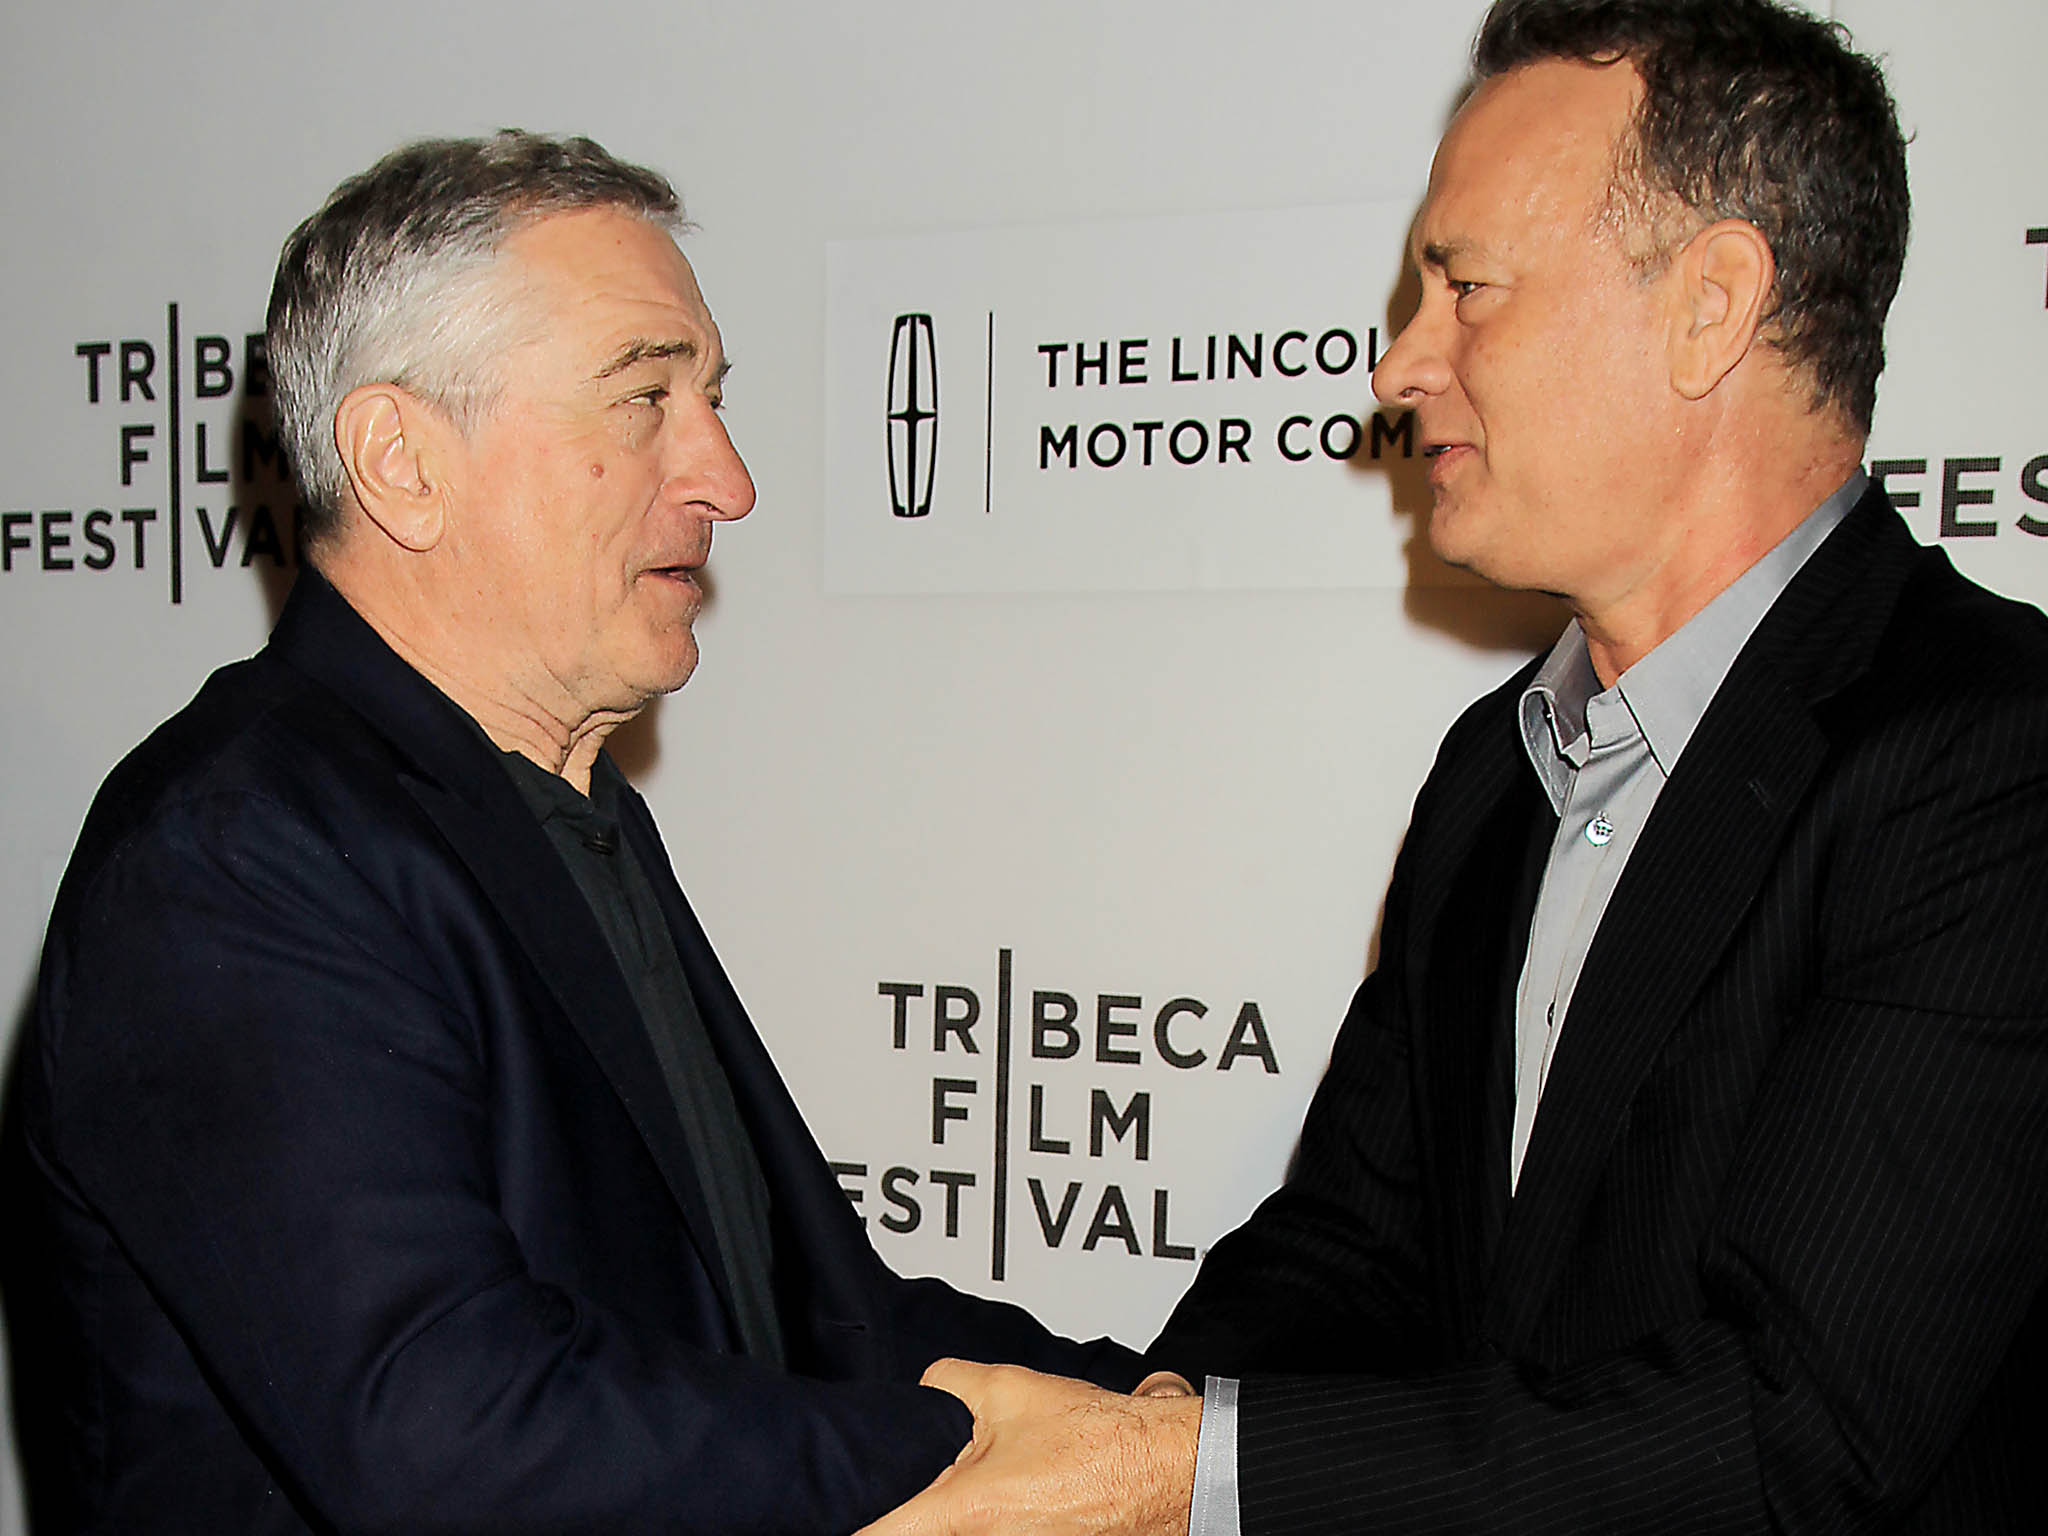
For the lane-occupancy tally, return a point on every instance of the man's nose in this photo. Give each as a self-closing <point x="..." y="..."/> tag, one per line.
<point x="1415" y="366"/>
<point x="710" y="472"/>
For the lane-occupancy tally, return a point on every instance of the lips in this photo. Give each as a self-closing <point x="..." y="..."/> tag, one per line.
<point x="681" y="575"/>
<point x="1443" y="457"/>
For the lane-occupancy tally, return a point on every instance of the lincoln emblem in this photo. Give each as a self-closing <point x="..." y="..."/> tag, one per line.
<point x="913" y="415"/>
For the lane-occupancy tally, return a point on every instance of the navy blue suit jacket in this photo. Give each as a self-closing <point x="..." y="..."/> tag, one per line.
<point x="1777" y="1256"/>
<point x="355" y="1197"/>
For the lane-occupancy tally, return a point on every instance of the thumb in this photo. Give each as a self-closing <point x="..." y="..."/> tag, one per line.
<point x="963" y="1378"/>
<point x="1164" y="1384"/>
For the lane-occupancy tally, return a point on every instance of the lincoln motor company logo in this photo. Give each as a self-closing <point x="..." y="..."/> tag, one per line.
<point x="913" y="415"/>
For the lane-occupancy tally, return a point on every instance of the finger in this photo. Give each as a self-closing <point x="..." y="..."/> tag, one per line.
<point x="1163" y="1384"/>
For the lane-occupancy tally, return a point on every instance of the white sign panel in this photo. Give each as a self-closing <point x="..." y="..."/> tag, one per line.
<point x="1164" y="404"/>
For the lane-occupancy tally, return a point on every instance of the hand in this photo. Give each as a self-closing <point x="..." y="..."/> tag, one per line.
<point x="1051" y="1455"/>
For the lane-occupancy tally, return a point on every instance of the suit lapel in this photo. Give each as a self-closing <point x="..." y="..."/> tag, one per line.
<point x="1713" y="838"/>
<point x="522" y="876"/>
<point x="814" y="1223"/>
<point x="472" y="801"/>
<point x="1465" y="1063"/>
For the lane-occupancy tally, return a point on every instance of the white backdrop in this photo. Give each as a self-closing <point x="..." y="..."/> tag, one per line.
<point x="1128" y="795"/>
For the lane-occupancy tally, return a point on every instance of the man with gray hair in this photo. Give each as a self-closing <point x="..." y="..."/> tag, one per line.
<point x="396" y="1154"/>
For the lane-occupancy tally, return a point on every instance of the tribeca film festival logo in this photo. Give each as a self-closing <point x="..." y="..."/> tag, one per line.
<point x="1050" y="1098"/>
<point x="1969" y="483"/>
<point x="190" y="449"/>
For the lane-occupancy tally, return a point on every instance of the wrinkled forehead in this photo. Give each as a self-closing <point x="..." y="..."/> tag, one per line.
<point x="608" y="268"/>
<point x="1531" y="149"/>
<point x="607" y="281"/>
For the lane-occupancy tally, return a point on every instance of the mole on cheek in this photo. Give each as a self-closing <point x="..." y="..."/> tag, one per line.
<point x="597" y="471"/>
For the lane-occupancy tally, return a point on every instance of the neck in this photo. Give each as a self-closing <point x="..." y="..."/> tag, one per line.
<point x="1715" y="530"/>
<point x="523" y="715"/>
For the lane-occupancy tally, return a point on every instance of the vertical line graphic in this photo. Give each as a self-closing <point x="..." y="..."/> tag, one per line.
<point x="177" y="467"/>
<point x="1000" y="1207"/>
<point x="988" y="424"/>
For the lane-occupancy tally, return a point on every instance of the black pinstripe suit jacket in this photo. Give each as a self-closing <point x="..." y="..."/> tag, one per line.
<point x="1778" y="1253"/>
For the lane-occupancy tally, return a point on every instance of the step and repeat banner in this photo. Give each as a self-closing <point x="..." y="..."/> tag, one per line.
<point x="1064" y="697"/>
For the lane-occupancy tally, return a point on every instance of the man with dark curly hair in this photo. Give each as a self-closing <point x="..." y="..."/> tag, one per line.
<point x="1683" y="1164"/>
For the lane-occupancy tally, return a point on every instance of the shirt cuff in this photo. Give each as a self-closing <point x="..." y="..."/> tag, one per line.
<point x="1213" y="1511"/>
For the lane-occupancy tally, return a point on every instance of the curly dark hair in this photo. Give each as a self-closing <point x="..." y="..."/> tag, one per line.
<point x="1753" y="111"/>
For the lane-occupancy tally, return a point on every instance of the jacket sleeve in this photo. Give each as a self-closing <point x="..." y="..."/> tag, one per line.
<point x="932" y="1320"/>
<point x="1330" y="1272"/>
<point x="258" y="1081"/>
<point x="915" y="1321"/>
<point x="1339" y="1269"/>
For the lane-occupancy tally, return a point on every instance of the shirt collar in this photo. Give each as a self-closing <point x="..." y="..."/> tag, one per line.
<point x="1553" y="710"/>
<point x="549" y="795"/>
<point x="1668" y="691"/>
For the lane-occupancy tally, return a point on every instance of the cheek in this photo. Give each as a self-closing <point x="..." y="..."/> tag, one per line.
<point x="1576" y="400"/>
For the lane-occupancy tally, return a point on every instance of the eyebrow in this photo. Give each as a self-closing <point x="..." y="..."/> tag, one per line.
<point x="1441" y="253"/>
<point x="642" y="349"/>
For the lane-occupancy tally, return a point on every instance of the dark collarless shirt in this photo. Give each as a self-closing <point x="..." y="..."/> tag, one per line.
<point x="585" y="832"/>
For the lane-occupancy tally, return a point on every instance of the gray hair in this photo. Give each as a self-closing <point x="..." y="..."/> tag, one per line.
<point x="394" y="281"/>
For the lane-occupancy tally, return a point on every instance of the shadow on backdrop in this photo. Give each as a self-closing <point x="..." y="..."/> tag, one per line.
<point x="31" y="1352"/>
<point x="1437" y="596"/>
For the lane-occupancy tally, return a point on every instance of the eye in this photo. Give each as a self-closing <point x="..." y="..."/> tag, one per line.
<point x="1462" y="289"/>
<point x="653" y="396"/>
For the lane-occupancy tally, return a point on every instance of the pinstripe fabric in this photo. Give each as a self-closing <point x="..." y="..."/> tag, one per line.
<point x="1777" y="1257"/>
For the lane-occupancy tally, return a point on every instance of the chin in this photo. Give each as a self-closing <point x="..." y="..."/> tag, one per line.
<point x="1458" y="536"/>
<point x="672" y="677"/>
<point x="1449" y="535"/>
<point x="662" y="666"/>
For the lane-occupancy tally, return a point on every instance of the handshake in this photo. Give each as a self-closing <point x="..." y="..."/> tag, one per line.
<point x="1050" y="1454"/>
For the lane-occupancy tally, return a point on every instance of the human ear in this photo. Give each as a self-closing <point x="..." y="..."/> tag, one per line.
<point x="1723" y="279"/>
<point x="387" y="438"/>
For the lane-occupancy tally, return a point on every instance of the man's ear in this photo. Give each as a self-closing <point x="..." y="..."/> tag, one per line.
<point x="392" y="448"/>
<point x="1724" y="276"/>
